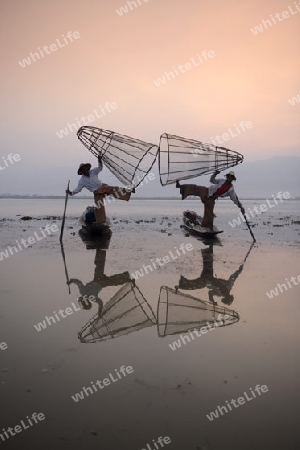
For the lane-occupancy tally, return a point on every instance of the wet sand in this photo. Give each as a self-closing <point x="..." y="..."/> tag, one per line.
<point x="170" y="392"/>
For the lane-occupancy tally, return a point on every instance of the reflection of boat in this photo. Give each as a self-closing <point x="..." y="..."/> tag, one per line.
<point x="89" y="225"/>
<point x="125" y="312"/>
<point x="192" y="223"/>
<point x="95" y="241"/>
<point x="178" y="313"/>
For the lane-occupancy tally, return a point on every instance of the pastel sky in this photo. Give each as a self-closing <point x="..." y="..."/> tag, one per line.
<point x="117" y="58"/>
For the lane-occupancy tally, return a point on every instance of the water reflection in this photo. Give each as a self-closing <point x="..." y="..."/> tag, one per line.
<point x="178" y="313"/>
<point x="125" y="312"/>
<point x="128" y="310"/>
<point x="217" y="287"/>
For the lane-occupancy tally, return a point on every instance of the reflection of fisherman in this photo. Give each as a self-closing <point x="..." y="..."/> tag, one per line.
<point x="220" y="187"/>
<point x="92" y="288"/>
<point x="90" y="181"/>
<point x="216" y="286"/>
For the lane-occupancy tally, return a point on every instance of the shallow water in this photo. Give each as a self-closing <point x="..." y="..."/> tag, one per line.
<point x="170" y="392"/>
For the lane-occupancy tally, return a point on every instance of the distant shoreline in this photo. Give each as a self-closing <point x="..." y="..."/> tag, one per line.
<point x="60" y="197"/>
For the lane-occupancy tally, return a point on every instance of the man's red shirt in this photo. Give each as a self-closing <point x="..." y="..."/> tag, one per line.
<point x="222" y="189"/>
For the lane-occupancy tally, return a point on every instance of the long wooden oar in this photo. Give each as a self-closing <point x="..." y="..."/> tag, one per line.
<point x="64" y="216"/>
<point x="249" y="228"/>
<point x="248" y="225"/>
<point x="65" y="264"/>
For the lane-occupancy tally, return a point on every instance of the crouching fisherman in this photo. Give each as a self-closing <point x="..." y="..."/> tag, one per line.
<point x="220" y="187"/>
<point x="89" y="180"/>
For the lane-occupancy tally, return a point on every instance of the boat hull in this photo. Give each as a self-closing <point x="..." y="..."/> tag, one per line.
<point x="194" y="227"/>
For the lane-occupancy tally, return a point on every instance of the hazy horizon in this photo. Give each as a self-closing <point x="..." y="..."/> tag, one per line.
<point x="104" y="65"/>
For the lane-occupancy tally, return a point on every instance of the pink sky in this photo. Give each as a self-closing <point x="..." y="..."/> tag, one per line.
<point x="117" y="58"/>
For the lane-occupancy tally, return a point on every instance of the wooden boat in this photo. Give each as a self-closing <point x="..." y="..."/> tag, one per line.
<point x="89" y="225"/>
<point x="192" y="223"/>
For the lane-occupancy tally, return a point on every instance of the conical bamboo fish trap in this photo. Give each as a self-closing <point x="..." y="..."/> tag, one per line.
<point x="129" y="159"/>
<point x="178" y="313"/>
<point x="181" y="159"/>
<point x="126" y="311"/>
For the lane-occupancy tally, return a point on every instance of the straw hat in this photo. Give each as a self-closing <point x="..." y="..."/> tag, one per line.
<point x="79" y="171"/>
<point x="231" y="174"/>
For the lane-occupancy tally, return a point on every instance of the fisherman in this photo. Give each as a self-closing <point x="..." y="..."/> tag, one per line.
<point x="220" y="187"/>
<point x="89" y="180"/>
<point x="217" y="287"/>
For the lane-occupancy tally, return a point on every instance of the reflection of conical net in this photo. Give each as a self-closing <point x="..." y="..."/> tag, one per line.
<point x="181" y="158"/>
<point x="126" y="311"/>
<point x="178" y="313"/>
<point x="127" y="158"/>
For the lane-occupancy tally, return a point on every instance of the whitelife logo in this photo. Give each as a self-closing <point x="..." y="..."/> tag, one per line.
<point x="294" y="100"/>
<point x="241" y="401"/>
<point x="85" y="120"/>
<point x="36" y="417"/>
<point x="30" y="241"/>
<point x="177" y="71"/>
<point x="9" y="160"/>
<point x="243" y="126"/>
<point x="68" y="311"/>
<point x="262" y="208"/>
<point x="102" y="384"/>
<point x="132" y="5"/>
<point x="274" y="292"/>
<point x="161" y="441"/>
<point x="279" y="17"/>
<point x="48" y="49"/>
<point x="184" y="339"/>
<point x="161" y="261"/>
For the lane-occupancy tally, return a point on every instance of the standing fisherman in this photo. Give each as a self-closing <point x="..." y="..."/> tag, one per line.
<point x="89" y="180"/>
<point x="220" y="187"/>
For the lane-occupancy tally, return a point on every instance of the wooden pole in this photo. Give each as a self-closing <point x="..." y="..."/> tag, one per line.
<point x="248" y="225"/>
<point x="64" y="216"/>
<point x="249" y="228"/>
<point x="65" y="264"/>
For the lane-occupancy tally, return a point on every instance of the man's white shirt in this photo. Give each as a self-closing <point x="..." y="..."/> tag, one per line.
<point x="216" y="183"/>
<point x="92" y="183"/>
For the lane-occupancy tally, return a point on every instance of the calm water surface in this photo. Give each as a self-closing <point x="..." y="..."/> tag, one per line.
<point x="170" y="392"/>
